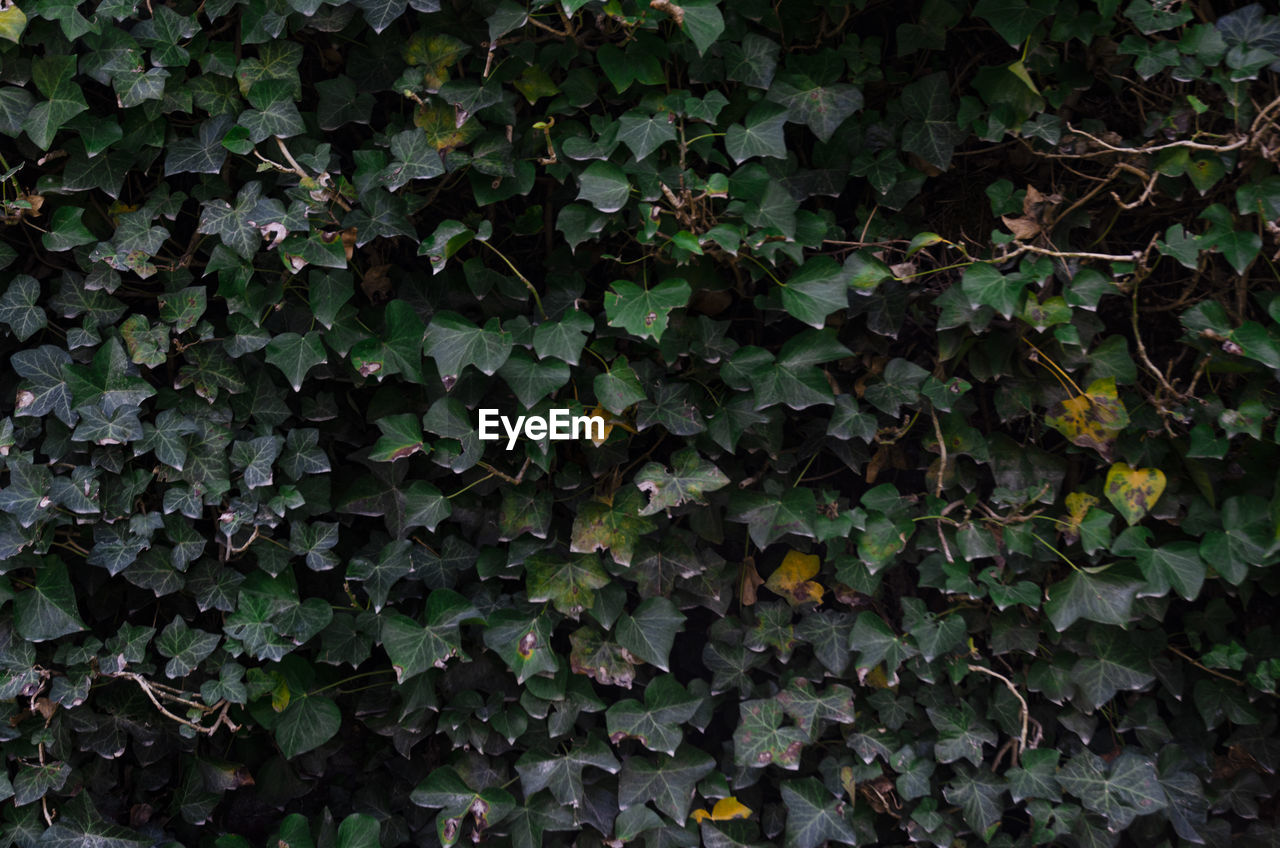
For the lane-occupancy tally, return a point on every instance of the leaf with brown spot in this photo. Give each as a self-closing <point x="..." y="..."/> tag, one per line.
<point x="1133" y="491"/>
<point x="1093" y="419"/>
<point x="791" y="579"/>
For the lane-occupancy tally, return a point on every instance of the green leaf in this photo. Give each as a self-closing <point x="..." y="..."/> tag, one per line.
<point x="644" y="312"/>
<point x="644" y="133"/>
<point x="808" y="707"/>
<point x="530" y="380"/>
<point x="689" y="479"/>
<point x="658" y="722"/>
<point x="1036" y="776"/>
<point x="569" y="582"/>
<point x="614" y="527"/>
<point x="358" y="830"/>
<point x="523" y="640"/>
<point x="1014" y="19"/>
<point x="454" y="343"/>
<point x="414" y="648"/>
<point x="961" y="734"/>
<point x="108" y="381"/>
<point x="1115" y="664"/>
<point x="823" y="108"/>
<point x="185" y="646"/>
<point x="650" y="631"/>
<point x="254" y="459"/>
<point x="66" y="230"/>
<point x="877" y="643"/>
<point x="814" y="816"/>
<point x="54" y="76"/>
<point x="48" y="609"/>
<point x="977" y="793"/>
<point x="702" y="23"/>
<point x="563" y="339"/>
<point x="819" y="288"/>
<point x="669" y="783"/>
<point x="619" y="387"/>
<point x="296" y="355"/>
<point x="771" y="517"/>
<point x="930" y="132"/>
<point x="20" y="309"/>
<point x="761" y="739"/>
<point x="397" y="351"/>
<point x="44" y="388"/>
<point x="274" y="112"/>
<point x="562" y="774"/>
<point x="307" y="723"/>
<point x="1120" y="792"/>
<point x="760" y="134"/>
<point x="983" y="285"/>
<point x="1105" y="598"/>
<point x="604" y="186"/>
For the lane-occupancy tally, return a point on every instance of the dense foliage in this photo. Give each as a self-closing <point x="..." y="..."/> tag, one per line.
<point x="938" y="346"/>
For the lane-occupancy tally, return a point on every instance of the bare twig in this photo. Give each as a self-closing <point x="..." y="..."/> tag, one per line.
<point x="152" y="692"/>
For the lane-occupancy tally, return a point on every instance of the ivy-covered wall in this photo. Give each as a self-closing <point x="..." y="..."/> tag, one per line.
<point x="937" y="348"/>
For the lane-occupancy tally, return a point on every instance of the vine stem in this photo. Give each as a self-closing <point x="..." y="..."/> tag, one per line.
<point x="536" y="299"/>
<point x="149" y="689"/>
<point x="1023" y="712"/>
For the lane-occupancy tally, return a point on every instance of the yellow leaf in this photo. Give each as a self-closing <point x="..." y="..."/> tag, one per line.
<point x="280" y="696"/>
<point x="1093" y="419"/>
<point x="12" y="22"/>
<point x="791" y="580"/>
<point x="1133" y="491"/>
<point x="877" y="679"/>
<point x="726" y="809"/>
<point x="600" y="412"/>
<point x="1078" y="506"/>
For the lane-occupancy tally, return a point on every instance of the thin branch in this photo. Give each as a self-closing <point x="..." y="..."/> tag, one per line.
<point x="149" y="689"/>
<point x="1193" y="145"/>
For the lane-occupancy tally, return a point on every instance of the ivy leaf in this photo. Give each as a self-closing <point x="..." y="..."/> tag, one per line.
<point x="44" y="388"/>
<point x="644" y="133"/>
<point x="819" y="288"/>
<point x="771" y="517"/>
<point x="658" y="722"/>
<point x="791" y="378"/>
<point x="523" y="641"/>
<point x="54" y="76"/>
<point x="644" y="312"/>
<point x="48" y="609"/>
<point x="20" y="309"/>
<point x="807" y="706"/>
<point x="1105" y="598"/>
<point x="985" y="286"/>
<point x="107" y="381"/>
<point x="307" y="723"/>
<point x="454" y="343"/>
<point x="532" y="381"/>
<point x="961" y="734"/>
<point x="414" y="648"/>
<point x="650" y="631"/>
<point x="614" y="526"/>
<point x="1115" y="664"/>
<point x="397" y="351"/>
<point x="379" y="575"/>
<point x="822" y="108"/>
<point x="296" y="355"/>
<point x="562" y="774"/>
<point x="255" y="457"/>
<point x="814" y="817"/>
<point x="761" y="739"/>
<point x="877" y="643"/>
<point x="930" y="132"/>
<point x="760" y="134"/>
<point x="1036" y="777"/>
<point x="689" y="479"/>
<point x="186" y="647"/>
<point x="791" y="579"/>
<point x="26" y="497"/>
<point x="1093" y="419"/>
<point x="1014" y="19"/>
<point x="619" y="387"/>
<point x="1121" y="792"/>
<point x="605" y="186"/>
<point x="563" y="339"/>
<point x="1133" y="491"/>
<point x="668" y="783"/>
<point x="977" y="793"/>
<point x="569" y="582"/>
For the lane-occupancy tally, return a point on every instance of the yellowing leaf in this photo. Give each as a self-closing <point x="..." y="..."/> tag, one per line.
<point x="12" y="22"/>
<point x="1133" y="491"/>
<point x="791" y="580"/>
<point x="1078" y="506"/>
<point x="434" y="54"/>
<point x="440" y="122"/>
<point x="600" y="412"/>
<point x="1093" y="419"/>
<point x="726" y="809"/>
<point x="877" y="679"/>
